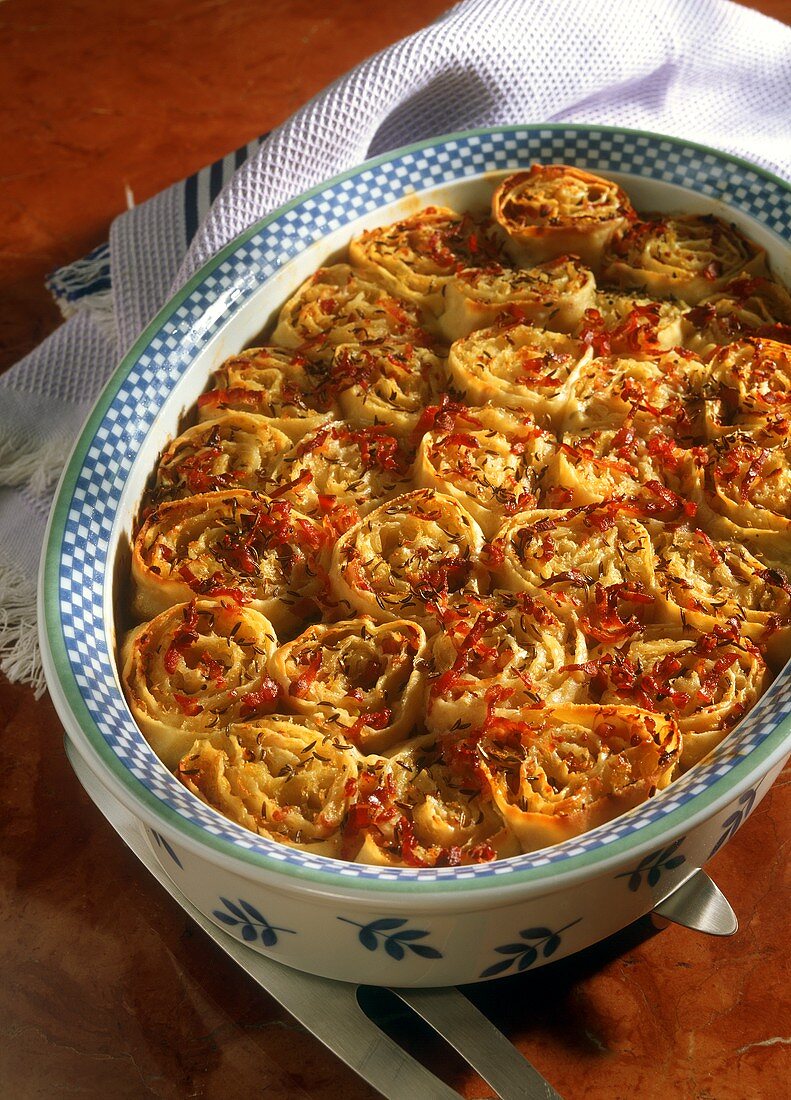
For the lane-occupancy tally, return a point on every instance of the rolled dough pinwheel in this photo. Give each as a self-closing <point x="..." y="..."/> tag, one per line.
<point x="342" y="470"/>
<point x="195" y="669"/>
<point x="552" y="295"/>
<point x="414" y="258"/>
<point x="277" y="777"/>
<point x="238" y="545"/>
<point x="592" y="563"/>
<point x="560" y="771"/>
<point x="743" y="492"/>
<point x="640" y="466"/>
<point x="236" y="451"/>
<point x="386" y="383"/>
<point x="747" y="305"/>
<point x="511" y="655"/>
<point x="416" y="808"/>
<point x="749" y="386"/>
<point x="519" y="367"/>
<point x="554" y="209"/>
<point x="705" y="582"/>
<point x="621" y="324"/>
<point x="494" y="467"/>
<point x="705" y="682"/>
<point x="271" y="382"/>
<point x="359" y="677"/>
<point x="405" y="555"/>
<point x="340" y="305"/>
<point x="666" y="392"/>
<point x="690" y="256"/>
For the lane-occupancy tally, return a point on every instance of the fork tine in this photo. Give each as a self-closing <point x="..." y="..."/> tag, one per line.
<point x="477" y="1040"/>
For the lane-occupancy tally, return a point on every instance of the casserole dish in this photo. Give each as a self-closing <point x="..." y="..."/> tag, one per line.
<point x="436" y="926"/>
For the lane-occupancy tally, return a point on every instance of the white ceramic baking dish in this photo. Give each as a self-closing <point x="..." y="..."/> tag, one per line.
<point x="398" y="926"/>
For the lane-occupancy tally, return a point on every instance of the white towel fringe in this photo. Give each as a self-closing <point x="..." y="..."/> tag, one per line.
<point x="99" y="305"/>
<point x="20" y="657"/>
<point x="26" y="462"/>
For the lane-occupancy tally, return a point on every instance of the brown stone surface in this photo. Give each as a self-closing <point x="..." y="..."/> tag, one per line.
<point x="107" y="989"/>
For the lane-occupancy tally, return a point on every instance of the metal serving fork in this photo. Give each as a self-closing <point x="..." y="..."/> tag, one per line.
<point x="331" y="1010"/>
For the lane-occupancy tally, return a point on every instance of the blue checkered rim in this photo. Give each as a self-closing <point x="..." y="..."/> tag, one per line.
<point x="86" y="508"/>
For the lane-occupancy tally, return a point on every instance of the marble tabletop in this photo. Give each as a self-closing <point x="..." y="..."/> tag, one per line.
<point x="107" y="988"/>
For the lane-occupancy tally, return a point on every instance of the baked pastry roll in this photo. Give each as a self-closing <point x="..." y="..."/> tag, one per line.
<point x="414" y="258"/>
<point x="271" y="382"/>
<point x="553" y="209"/>
<point x="359" y="677"/>
<point x="706" y="682"/>
<point x="236" y="451"/>
<point x="420" y="809"/>
<point x="638" y="465"/>
<point x="666" y="392"/>
<point x="749" y="387"/>
<point x="519" y="367"/>
<point x="339" y="305"/>
<point x="494" y="469"/>
<point x="690" y="256"/>
<point x="402" y="557"/>
<point x="195" y="669"/>
<point x="560" y="771"/>
<point x="236" y="544"/>
<point x="551" y="295"/>
<point x="279" y="778"/>
<point x="386" y="383"/>
<point x="341" y="470"/>
<point x="747" y="305"/>
<point x="590" y="562"/>
<point x="633" y="327"/>
<point x="509" y="655"/>
<point x="743" y="493"/>
<point x="705" y="582"/>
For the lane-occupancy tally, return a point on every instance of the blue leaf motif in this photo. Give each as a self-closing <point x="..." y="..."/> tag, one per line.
<point x="425" y="951"/>
<point x="396" y="943"/>
<point x="226" y="918"/>
<point x="734" y="820"/>
<point x="528" y="958"/>
<point x="654" y="865"/>
<point x="524" y="955"/>
<point x="252" y="921"/>
<point x="368" y="939"/>
<point x="165" y="844"/>
<point x="237" y="912"/>
<point x="386" y="923"/>
<point x="496" y="968"/>
<point x="394" y="948"/>
<point x="551" y="946"/>
<point x="253" y="912"/>
<point x="269" y="936"/>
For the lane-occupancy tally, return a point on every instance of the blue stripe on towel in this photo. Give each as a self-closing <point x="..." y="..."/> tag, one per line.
<point x="80" y="281"/>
